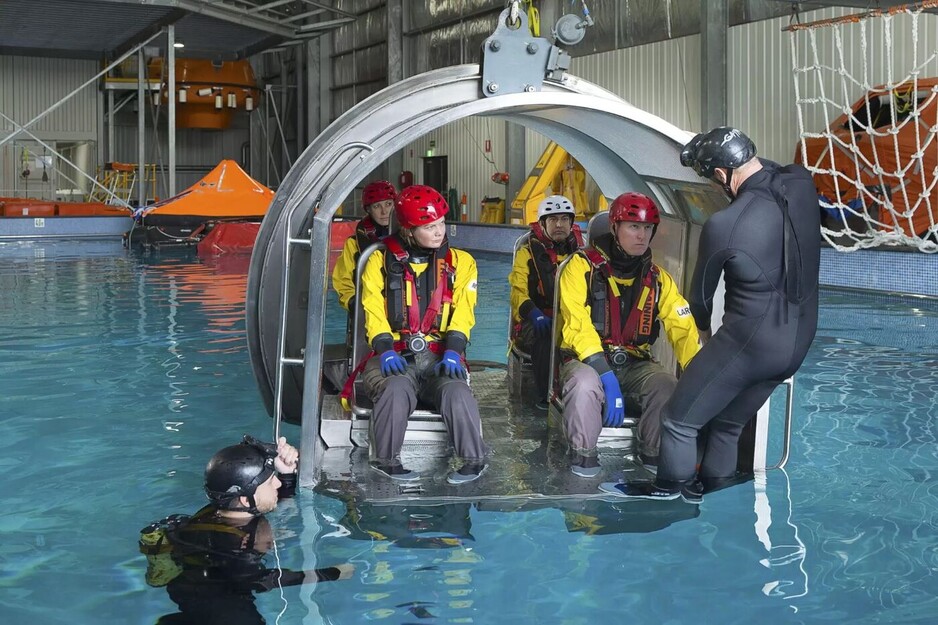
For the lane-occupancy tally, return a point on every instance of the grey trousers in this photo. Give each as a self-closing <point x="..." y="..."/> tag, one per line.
<point x="395" y="398"/>
<point x="646" y="387"/>
<point x="539" y="350"/>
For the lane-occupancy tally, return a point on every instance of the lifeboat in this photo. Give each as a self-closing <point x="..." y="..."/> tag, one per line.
<point x="208" y="93"/>
<point x="226" y="194"/>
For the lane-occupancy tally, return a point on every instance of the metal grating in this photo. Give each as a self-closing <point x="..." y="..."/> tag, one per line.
<point x="226" y="29"/>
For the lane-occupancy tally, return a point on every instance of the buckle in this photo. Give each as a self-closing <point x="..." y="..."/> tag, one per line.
<point x="618" y="357"/>
<point x="416" y="343"/>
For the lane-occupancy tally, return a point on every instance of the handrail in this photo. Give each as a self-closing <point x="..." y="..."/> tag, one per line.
<point x="786" y="441"/>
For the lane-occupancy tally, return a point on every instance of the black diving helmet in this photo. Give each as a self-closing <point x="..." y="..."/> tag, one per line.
<point x="238" y="470"/>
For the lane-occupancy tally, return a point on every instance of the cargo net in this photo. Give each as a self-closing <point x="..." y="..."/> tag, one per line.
<point x="868" y="131"/>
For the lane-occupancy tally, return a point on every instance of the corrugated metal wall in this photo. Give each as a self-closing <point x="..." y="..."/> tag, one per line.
<point x="30" y="85"/>
<point x="470" y="167"/>
<point x="197" y="151"/>
<point x="663" y="78"/>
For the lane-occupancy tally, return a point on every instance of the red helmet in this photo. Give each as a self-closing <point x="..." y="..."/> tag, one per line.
<point x="378" y="192"/>
<point x="634" y="207"/>
<point x="419" y="205"/>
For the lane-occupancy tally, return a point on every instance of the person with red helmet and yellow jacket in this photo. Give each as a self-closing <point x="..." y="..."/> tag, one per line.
<point x="419" y="298"/>
<point x="378" y="200"/>
<point x="613" y="300"/>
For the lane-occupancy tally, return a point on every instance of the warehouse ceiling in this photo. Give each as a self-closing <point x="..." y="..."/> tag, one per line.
<point x="226" y="29"/>
<point x="223" y="29"/>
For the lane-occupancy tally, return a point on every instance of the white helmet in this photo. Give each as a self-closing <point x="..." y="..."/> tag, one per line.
<point x="555" y="205"/>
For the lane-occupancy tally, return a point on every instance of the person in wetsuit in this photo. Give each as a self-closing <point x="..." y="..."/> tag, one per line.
<point x="766" y="244"/>
<point x="218" y="552"/>
<point x="552" y="238"/>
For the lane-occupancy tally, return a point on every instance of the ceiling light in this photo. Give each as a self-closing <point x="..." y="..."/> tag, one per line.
<point x="179" y="44"/>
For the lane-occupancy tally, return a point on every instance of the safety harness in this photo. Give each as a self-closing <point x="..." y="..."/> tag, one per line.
<point x="606" y="302"/>
<point x="366" y="233"/>
<point x="402" y="300"/>
<point x="544" y="260"/>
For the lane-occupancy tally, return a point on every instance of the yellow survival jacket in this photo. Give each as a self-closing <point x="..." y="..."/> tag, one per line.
<point x="343" y="274"/>
<point x="455" y="317"/>
<point x="579" y="334"/>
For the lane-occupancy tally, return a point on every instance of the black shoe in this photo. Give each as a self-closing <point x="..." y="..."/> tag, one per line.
<point x="639" y="490"/>
<point x="469" y="472"/>
<point x="649" y="462"/>
<point x="542" y="405"/>
<point x="585" y="466"/>
<point x="692" y="493"/>
<point x="711" y="484"/>
<point x="395" y="471"/>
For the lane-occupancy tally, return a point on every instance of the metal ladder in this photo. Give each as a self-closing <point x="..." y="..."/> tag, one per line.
<point x="283" y="359"/>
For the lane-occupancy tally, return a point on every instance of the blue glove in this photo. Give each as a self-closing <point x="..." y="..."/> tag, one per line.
<point x="392" y="363"/>
<point x="540" y="321"/>
<point x="451" y="365"/>
<point x="614" y="414"/>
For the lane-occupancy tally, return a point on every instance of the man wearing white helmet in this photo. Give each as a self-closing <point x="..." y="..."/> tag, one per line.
<point x="553" y="237"/>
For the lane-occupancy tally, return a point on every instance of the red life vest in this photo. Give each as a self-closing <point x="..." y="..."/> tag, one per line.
<point x="641" y="325"/>
<point x="423" y="315"/>
<point x="366" y="233"/>
<point x="544" y="263"/>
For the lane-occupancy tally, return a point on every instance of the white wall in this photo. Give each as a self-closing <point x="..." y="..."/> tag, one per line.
<point x="28" y="86"/>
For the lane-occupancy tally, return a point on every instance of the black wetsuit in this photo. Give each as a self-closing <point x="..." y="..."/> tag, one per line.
<point x="770" y="258"/>
<point x="221" y="569"/>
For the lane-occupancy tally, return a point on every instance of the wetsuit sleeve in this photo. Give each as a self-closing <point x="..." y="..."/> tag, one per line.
<point x="578" y="332"/>
<point x="343" y="275"/>
<point x="465" y="295"/>
<point x="281" y="578"/>
<point x="518" y="279"/>
<point x="674" y="313"/>
<point x="713" y="252"/>
<point x="376" y="319"/>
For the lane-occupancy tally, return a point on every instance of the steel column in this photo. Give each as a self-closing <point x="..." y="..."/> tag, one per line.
<point x="171" y="98"/>
<point x="714" y="20"/>
<point x="141" y="128"/>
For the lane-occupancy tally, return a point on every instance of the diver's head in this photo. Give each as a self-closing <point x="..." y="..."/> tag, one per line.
<point x="555" y="214"/>
<point x="378" y="200"/>
<point x="420" y="211"/>
<point x="718" y="153"/>
<point x="242" y="478"/>
<point x="633" y="220"/>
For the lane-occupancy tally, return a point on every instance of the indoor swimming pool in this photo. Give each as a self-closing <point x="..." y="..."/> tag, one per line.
<point x="121" y="373"/>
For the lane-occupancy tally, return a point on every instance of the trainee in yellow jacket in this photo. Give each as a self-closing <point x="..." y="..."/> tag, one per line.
<point x="458" y="317"/>
<point x="343" y="274"/>
<point x="579" y="335"/>
<point x="519" y="279"/>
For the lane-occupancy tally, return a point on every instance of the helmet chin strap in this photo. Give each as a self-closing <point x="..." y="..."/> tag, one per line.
<point x="727" y="186"/>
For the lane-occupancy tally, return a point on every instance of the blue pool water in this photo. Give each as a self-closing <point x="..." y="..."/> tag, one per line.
<point x="120" y="374"/>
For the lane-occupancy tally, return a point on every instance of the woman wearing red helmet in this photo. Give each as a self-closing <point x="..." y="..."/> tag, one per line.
<point x="419" y="298"/>
<point x="378" y="200"/>
<point x="613" y="299"/>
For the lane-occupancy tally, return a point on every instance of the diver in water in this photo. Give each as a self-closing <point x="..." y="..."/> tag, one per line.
<point x="212" y="562"/>
<point x="766" y="244"/>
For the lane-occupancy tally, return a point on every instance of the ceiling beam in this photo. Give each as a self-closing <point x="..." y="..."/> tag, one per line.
<point x="170" y="18"/>
<point x="223" y="12"/>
